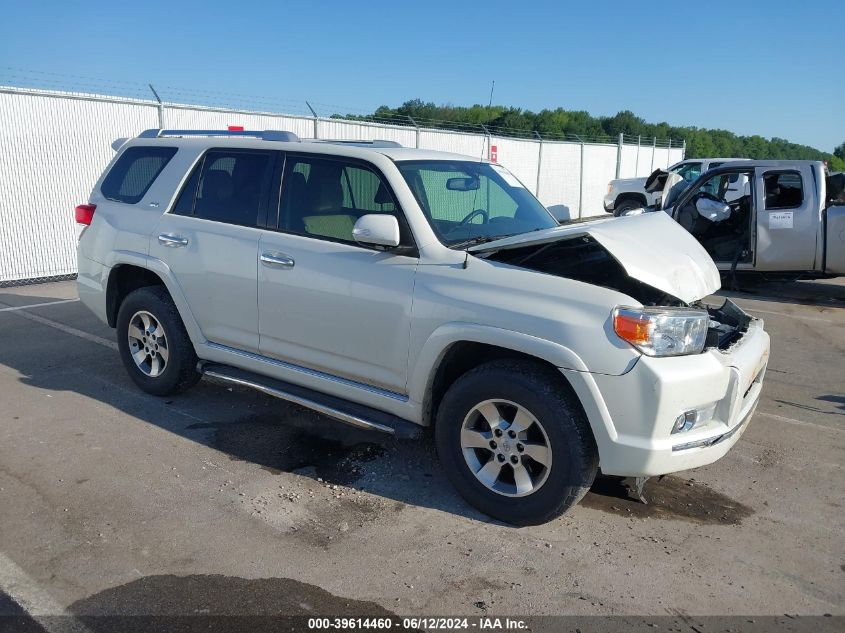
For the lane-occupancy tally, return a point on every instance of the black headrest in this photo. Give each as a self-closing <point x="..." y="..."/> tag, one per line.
<point x="295" y="183"/>
<point x="325" y="192"/>
<point x="216" y="184"/>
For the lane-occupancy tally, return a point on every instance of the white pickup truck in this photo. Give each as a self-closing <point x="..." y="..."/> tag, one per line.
<point x="624" y="194"/>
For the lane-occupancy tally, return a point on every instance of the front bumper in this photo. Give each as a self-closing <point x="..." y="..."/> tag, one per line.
<point x="632" y="415"/>
<point x="609" y="201"/>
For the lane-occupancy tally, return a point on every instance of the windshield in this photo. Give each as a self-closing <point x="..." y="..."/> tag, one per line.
<point x="465" y="201"/>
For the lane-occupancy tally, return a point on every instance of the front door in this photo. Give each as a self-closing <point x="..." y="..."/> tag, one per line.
<point x="326" y="303"/>
<point x="210" y="242"/>
<point x="719" y="219"/>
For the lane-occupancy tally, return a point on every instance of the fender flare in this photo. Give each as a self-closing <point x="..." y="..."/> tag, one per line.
<point x="435" y="347"/>
<point x="163" y="272"/>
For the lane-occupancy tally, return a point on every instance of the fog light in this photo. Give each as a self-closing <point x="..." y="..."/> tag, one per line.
<point x="693" y="418"/>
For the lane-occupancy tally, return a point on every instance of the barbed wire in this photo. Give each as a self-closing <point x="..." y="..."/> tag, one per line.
<point x="186" y="96"/>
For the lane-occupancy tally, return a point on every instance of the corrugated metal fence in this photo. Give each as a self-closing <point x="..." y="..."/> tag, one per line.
<point x="54" y="146"/>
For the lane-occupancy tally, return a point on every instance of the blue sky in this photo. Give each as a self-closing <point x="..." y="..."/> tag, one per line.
<point x="772" y="68"/>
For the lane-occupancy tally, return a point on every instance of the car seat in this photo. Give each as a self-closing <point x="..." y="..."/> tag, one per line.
<point x="324" y="212"/>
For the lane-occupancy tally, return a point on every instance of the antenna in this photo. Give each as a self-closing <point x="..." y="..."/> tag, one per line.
<point x="480" y="161"/>
<point x="489" y="105"/>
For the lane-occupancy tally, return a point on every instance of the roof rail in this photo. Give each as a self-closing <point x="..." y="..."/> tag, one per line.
<point x="356" y="143"/>
<point x="266" y="135"/>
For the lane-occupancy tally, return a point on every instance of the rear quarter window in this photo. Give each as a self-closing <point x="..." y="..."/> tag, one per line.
<point x="134" y="173"/>
<point x="783" y="190"/>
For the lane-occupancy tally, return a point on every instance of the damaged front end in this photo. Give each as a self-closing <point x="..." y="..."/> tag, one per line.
<point x="583" y="259"/>
<point x="648" y="258"/>
<point x="728" y="324"/>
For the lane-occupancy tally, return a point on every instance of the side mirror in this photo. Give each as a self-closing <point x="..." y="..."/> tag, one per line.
<point x="560" y="212"/>
<point x="376" y="229"/>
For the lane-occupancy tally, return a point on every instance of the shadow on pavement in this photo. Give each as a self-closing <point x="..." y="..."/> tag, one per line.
<point x="811" y="293"/>
<point x="279" y="437"/>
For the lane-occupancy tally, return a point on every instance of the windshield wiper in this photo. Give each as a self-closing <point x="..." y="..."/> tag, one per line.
<point x="481" y="239"/>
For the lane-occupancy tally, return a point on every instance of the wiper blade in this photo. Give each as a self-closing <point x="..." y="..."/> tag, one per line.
<point x="481" y="239"/>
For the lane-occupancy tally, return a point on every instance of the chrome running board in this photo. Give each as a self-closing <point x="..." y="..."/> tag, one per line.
<point x="350" y="413"/>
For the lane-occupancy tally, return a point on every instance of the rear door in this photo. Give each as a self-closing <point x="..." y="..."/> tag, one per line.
<point x="210" y="242"/>
<point x="787" y="219"/>
<point x="325" y="302"/>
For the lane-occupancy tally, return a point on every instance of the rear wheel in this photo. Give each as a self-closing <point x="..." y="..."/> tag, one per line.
<point x="515" y="443"/>
<point x="153" y="343"/>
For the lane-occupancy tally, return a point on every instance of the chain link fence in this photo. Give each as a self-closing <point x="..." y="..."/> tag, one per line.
<point x="55" y="143"/>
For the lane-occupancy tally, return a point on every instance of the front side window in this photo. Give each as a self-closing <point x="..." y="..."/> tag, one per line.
<point x="134" y="173"/>
<point x="324" y="198"/>
<point x="228" y="186"/>
<point x="468" y="201"/>
<point x="783" y="190"/>
<point x="718" y="187"/>
<point x="688" y="171"/>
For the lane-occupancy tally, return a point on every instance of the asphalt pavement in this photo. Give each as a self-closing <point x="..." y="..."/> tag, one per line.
<point x="226" y="501"/>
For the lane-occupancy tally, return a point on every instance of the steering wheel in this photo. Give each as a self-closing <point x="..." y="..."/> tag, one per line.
<point x="708" y="196"/>
<point x="472" y="214"/>
<point x="462" y="225"/>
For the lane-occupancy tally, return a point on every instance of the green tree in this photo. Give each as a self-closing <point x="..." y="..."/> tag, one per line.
<point x="837" y="160"/>
<point x="561" y="123"/>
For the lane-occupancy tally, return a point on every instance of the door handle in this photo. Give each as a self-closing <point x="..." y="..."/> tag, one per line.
<point x="277" y="260"/>
<point x="173" y="241"/>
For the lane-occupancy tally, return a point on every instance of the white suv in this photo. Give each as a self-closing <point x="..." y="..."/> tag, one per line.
<point x="396" y="288"/>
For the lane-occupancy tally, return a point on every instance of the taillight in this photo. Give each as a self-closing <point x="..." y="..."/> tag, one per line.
<point x="85" y="213"/>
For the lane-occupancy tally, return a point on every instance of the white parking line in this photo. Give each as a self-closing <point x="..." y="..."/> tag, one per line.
<point x="40" y="605"/>
<point x="37" y="305"/>
<point x="69" y="330"/>
<point x="798" y="422"/>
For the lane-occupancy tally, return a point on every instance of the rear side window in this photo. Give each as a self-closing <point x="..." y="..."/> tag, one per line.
<point x="783" y="190"/>
<point x="134" y="173"/>
<point x="228" y="186"/>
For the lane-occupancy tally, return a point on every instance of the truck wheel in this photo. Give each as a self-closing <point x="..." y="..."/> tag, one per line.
<point x="515" y="443"/>
<point x="626" y="205"/>
<point x="153" y="343"/>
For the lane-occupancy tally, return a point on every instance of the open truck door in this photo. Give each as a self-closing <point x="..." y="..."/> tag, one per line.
<point x="718" y="210"/>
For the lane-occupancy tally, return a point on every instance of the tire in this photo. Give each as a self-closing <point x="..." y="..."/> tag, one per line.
<point x="151" y="310"/>
<point x="626" y="204"/>
<point x="516" y="388"/>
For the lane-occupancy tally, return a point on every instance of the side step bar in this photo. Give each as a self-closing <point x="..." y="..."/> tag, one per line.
<point x="350" y="413"/>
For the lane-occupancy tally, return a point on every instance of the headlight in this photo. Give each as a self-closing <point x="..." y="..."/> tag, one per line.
<point x="662" y="331"/>
<point x="609" y="188"/>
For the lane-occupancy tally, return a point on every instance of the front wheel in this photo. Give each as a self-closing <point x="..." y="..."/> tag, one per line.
<point x="153" y="343"/>
<point x="514" y="441"/>
<point x="626" y="205"/>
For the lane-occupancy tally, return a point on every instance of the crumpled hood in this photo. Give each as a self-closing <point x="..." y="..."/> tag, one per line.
<point x="652" y="248"/>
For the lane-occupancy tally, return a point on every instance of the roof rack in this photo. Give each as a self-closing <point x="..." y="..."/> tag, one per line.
<point x="266" y="135"/>
<point x="357" y="143"/>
